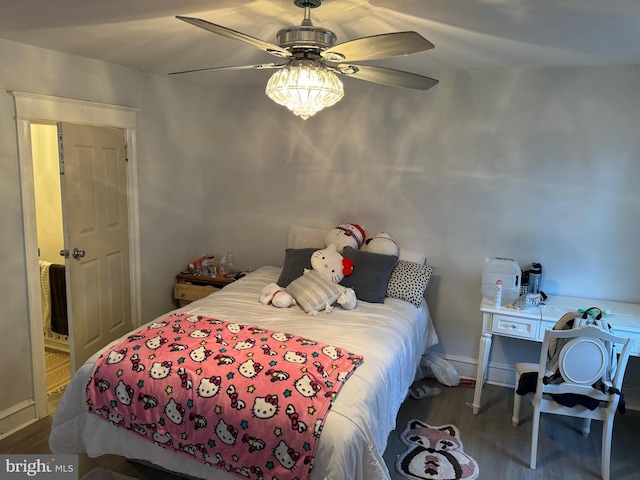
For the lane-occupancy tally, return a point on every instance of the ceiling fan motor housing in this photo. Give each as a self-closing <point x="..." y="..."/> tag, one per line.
<point x="307" y="3"/>
<point x="306" y="37"/>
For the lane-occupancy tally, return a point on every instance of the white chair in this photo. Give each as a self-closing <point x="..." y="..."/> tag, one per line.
<point x="583" y="359"/>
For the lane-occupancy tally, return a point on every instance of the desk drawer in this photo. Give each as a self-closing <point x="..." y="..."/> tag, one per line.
<point x="515" y="327"/>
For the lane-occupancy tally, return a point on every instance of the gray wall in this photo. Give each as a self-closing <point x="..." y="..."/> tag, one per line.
<point x="170" y="150"/>
<point x="535" y="165"/>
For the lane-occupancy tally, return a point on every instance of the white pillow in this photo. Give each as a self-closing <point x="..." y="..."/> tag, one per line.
<point x="411" y="256"/>
<point x="305" y="237"/>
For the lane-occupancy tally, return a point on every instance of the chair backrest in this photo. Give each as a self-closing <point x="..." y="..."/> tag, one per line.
<point x="582" y="361"/>
<point x="590" y="316"/>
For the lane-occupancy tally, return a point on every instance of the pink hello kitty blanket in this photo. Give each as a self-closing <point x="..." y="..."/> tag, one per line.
<point x="241" y="398"/>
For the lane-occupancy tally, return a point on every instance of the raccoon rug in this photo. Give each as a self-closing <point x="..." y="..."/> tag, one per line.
<point x="434" y="453"/>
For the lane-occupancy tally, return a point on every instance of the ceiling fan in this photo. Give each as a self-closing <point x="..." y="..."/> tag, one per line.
<point x="306" y="78"/>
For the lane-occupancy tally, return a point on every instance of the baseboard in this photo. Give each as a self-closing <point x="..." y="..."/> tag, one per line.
<point x="505" y="375"/>
<point x="17" y="417"/>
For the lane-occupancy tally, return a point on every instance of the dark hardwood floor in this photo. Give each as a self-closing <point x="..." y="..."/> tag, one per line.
<point x="500" y="449"/>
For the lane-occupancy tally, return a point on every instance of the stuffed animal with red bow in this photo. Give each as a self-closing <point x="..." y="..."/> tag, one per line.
<point x="345" y="235"/>
<point x="272" y="294"/>
<point x="334" y="267"/>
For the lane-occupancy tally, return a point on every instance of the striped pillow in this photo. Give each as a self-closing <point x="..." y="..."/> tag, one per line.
<point x="313" y="292"/>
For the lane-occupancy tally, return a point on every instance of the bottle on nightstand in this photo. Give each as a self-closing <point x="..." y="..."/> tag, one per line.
<point x="497" y="296"/>
<point x="231" y="264"/>
<point x="222" y="267"/>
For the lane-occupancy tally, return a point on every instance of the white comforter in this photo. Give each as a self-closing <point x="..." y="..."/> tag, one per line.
<point x="391" y="336"/>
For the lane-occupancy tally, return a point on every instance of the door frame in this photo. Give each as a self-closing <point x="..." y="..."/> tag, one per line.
<point x="30" y="107"/>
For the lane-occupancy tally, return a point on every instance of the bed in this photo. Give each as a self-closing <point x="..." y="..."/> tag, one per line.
<point x="391" y="336"/>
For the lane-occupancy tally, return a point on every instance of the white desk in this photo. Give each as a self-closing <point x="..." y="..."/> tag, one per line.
<point x="531" y="323"/>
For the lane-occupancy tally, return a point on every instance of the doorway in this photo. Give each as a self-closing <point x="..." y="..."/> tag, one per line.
<point x="40" y="109"/>
<point x="49" y="227"/>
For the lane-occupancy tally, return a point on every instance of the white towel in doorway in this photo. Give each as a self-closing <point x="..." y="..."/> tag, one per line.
<point x="45" y="293"/>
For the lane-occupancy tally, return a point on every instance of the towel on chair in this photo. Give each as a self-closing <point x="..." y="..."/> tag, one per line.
<point x="528" y="381"/>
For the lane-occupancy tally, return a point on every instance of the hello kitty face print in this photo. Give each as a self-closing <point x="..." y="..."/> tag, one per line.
<point x="174" y="412"/>
<point x="295" y="357"/>
<point x="160" y="370"/>
<point x="233" y="396"/>
<point x="285" y="455"/>
<point x="281" y="336"/>
<point x="265" y="407"/>
<point x="155" y="325"/>
<point x="250" y="368"/>
<point x="200" y="354"/>
<point x="116" y="419"/>
<point x="124" y="393"/>
<point x="164" y="439"/>
<point x="332" y="352"/>
<point x="200" y="333"/>
<point x="307" y="387"/>
<point x="226" y="433"/>
<point x="234" y="327"/>
<point x="245" y="344"/>
<point x="209" y="387"/>
<point x="116" y="356"/>
<point x="156" y="342"/>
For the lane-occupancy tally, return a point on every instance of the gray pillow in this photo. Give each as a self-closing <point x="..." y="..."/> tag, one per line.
<point x="295" y="261"/>
<point x="371" y="273"/>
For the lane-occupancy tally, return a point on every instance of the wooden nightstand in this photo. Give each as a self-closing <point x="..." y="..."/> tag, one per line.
<point x="190" y="287"/>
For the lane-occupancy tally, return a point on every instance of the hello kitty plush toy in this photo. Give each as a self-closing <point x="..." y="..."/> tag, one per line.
<point x="318" y="289"/>
<point x="383" y="244"/>
<point x="330" y="264"/>
<point x="276" y="296"/>
<point x="347" y="234"/>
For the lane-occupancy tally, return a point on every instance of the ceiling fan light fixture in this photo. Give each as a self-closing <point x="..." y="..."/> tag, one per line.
<point x="307" y="82"/>
<point x="305" y="87"/>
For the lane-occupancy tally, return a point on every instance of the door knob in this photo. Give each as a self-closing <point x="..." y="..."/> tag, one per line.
<point x="75" y="253"/>
<point x="64" y="253"/>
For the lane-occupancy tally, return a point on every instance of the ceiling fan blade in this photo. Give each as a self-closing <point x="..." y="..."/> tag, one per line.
<point x="387" y="76"/>
<point x="243" y="37"/>
<point x="263" y="66"/>
<point x="378" y="46"/>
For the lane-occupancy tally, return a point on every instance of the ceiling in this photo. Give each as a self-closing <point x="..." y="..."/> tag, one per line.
<point x="468" y="34"/>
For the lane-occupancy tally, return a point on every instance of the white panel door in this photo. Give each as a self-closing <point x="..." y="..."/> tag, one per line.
<point x="93" y="164"/>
